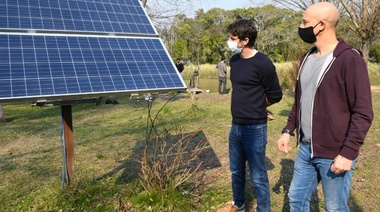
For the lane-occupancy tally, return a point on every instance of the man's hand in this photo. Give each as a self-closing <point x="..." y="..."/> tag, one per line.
<point x="270" y="115"/>
<point x="283" y="143"/>
<point x="341" y="164"/>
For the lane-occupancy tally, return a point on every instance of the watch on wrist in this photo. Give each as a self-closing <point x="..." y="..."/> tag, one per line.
<point x="287" y="132"/>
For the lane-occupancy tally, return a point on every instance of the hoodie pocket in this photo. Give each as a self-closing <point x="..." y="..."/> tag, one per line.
<point x="325" y="133"/>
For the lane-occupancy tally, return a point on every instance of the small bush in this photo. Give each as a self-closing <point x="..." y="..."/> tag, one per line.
<point x="170" y="167"/>
<point x="168" y="163"/>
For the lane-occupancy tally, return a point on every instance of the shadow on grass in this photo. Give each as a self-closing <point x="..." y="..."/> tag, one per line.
<point x="250" y="186"/>
<point x="352" y="203"/>
<point x="30" y="113"/>
<point x="285" y="113"/>
<point x="284" y="184"/>
<point x="131" y="167"/>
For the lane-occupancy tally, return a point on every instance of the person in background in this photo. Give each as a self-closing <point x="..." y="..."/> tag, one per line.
<point x="222" y="73"/>
<point x="179" y="65"/>
<point x="255" y="86"/>
<point x="331" y="114"/>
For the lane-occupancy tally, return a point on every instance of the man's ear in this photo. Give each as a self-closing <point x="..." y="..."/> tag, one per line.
<point x="321" y="26"/>
<point x="246" y="41"/>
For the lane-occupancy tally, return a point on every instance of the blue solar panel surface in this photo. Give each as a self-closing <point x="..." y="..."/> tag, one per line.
<point x="70" y="65"/>
<point x="116" y="16"/>
<point x="38" y="60"/>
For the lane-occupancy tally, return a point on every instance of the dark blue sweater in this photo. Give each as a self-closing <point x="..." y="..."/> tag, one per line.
<point x="253" y="81"/>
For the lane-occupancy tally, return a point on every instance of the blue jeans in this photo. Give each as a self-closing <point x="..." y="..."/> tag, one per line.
<point x="248" y="143"/>
<point x="308" y="172"/>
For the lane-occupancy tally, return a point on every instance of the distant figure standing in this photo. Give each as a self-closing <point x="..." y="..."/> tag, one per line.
<point x="179" y="66"/>
<point x="194" y="81"/>
<point x="222" y="73"/>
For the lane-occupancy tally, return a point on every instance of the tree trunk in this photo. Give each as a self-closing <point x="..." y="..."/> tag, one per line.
<point x="366" y="44"/>
<point x="2" y="116"/>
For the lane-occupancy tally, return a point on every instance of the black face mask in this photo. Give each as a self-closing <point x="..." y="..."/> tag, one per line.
<point x="307" y="34"/>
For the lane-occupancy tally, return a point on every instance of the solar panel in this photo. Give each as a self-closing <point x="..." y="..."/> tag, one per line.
<point x="116" y="16"/>
<point x="70" y="65"/>
<point x="90" y="48"/>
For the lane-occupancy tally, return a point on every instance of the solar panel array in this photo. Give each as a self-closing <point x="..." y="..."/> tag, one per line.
<point x="124" y="16"/>
<point x="73" y="48"/>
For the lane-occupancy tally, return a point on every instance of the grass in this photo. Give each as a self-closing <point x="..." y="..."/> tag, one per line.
<point x="110" y="139"/>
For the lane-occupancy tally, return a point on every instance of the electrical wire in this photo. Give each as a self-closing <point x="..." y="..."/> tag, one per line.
<point x="152" y="121"/>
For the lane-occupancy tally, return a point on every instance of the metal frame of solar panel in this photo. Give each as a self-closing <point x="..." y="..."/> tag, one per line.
<point x="76" y="49"/>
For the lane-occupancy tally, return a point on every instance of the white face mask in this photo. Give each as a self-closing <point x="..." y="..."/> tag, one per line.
<point x="233" y="47"/>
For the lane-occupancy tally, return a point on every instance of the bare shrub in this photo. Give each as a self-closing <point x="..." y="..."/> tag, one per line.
<point x="170" y="163"/>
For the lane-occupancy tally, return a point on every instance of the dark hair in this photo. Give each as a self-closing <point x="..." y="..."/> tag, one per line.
<point x="223" y="58"/>
<point x="244" y="28"/>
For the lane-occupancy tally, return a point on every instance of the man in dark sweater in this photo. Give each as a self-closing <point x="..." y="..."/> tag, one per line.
<point x="332" y="113"/>
<point x="255" y="86"/>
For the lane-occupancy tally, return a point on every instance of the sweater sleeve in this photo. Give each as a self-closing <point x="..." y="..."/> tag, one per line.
<point x="360" y="104"/>
<point x="271" y="83"/>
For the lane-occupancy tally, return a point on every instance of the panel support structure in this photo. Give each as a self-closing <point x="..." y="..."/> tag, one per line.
<point x="66" y="113"/>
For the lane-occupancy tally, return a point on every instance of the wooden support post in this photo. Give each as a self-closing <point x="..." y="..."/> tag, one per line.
<point x="66" y="113"/>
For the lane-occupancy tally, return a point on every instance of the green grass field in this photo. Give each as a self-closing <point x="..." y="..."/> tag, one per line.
<point x="109" y="140"/>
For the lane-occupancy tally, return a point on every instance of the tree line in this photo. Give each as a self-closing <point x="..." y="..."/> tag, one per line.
<point x="202" y="39"/>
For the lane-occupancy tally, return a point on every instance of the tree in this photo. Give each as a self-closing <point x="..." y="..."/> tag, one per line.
<point x="162" y="12"/>
<point x="202" y="38"/>
<point x="180" y="49"/>
<point x="365" y="21"/>
<point x="362" y="16"/>
<point x="211" y="41"/>
<point x="166" y="16"/>
<point x="276" y="36"/>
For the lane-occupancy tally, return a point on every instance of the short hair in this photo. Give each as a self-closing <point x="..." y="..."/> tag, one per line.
<point x="244" y="28"/>
<point x="223" y="58"/>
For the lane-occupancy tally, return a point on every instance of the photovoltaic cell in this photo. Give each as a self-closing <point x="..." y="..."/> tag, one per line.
<point x="111" y="16"/>
<point x="48" y="66"/>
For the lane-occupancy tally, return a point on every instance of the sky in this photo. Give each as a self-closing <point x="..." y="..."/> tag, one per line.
<point x="223" y="4"/>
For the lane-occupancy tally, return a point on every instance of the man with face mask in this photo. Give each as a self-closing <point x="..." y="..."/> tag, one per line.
<point x="255" y="86"/>
<point x="331" y="114"/>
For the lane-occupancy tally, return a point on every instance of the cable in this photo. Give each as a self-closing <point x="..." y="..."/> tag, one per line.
<point x="152" y="121"/>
